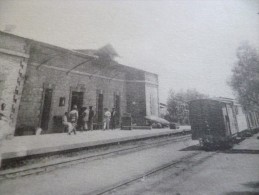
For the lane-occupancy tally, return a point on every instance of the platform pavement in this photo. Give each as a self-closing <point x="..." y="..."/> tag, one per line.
<point x="22" y="146"/>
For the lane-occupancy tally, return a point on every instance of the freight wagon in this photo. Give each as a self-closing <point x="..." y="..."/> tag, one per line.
<point x="216" y="122"/>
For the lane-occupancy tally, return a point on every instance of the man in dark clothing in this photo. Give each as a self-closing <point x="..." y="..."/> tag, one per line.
<point x="80" y="123"/>
<point x="113" y="118"/>
<point x="91" y="118"/>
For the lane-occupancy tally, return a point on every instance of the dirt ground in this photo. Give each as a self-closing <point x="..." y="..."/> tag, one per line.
<point x="232" y="172"/>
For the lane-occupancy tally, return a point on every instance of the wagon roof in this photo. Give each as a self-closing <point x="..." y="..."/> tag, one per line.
<point x="222" y="100"/>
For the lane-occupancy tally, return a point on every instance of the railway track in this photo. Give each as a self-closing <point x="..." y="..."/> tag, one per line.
<point x="175" y="167"/>
<point x="46" y="167"/>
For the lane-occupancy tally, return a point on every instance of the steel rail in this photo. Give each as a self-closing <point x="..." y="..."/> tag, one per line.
<point x="156" y="170"/>
<point x="9" y="174"/>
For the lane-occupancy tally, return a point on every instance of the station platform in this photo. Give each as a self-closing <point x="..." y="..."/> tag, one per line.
<point x="23" y="146"/>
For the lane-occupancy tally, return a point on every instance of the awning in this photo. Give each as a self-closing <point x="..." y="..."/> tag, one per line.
<point x="157" y="119"/>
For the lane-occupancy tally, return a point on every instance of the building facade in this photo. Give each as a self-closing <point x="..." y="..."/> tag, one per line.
<point x="40" y="82"/>
<point x="14" y="56"/>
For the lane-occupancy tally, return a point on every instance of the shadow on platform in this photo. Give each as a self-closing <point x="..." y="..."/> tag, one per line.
<point x="241" y="151"/>
<point x="230" y="151"/>
<point x="252" y="184"/>
<point x="242" y="193"/>
<point x="192" y="148"/>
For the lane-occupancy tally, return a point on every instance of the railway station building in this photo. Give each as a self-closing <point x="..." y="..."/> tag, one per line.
<point x="39" y="82"/>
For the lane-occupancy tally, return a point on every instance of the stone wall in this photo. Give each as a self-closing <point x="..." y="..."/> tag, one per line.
<point x="142" y="95"/>
<point x="53" y="74"/>
<point x="152" y="101"/>
<point x="152" y="97"/>
<point x="136" y="102"/>
<point x="28" y="69"/>
<point x="13" y="63"/>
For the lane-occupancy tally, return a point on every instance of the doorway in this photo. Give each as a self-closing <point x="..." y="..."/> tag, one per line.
<point x="100" y="108"/>
<point x="77" y="99"/>
<point x="46" y="109"/>
<point x="117" y="109"/>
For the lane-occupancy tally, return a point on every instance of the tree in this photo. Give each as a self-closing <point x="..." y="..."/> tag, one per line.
<point x="245" y="77"/>
<point x="177" y="104"/>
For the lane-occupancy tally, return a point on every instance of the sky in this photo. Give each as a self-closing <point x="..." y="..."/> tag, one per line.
<point x="190" y="44"/>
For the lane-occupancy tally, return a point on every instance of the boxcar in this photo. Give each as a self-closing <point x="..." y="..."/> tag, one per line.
<point x="216" y="123"/>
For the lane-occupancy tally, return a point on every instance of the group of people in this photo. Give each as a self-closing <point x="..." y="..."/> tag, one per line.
<point x="84" y="121"/>
<point x="70" y="119"/>
<point x="86" y="118"/>
<point x="109" y="118"/>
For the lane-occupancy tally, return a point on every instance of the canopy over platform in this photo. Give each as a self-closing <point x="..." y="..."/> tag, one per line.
<point x="157" y="119"/>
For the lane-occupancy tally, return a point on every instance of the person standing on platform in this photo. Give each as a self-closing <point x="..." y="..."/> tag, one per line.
<point x="113" y="118"/>
<point x="107" y="117"/>
<point x="73" y="118"/>
<point x="85" y="119"/>
<point x="91" y="118"/>
<point x="80" y="122"/>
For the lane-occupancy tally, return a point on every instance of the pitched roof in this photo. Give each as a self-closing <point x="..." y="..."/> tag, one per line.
<point x="75" y="52"/>
<point x="109" y="50"/>
<point x="106" y="50"/>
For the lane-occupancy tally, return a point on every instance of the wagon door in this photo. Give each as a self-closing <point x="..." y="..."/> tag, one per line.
<point x="226" y="120"/>
<point x="232" y="119"/>
<point x="229" y="119"/>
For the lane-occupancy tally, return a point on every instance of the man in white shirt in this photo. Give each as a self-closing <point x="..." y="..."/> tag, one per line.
<point x="73" y="118"/>
<point x="107" y="117"/>
<point x="86" y="118"/>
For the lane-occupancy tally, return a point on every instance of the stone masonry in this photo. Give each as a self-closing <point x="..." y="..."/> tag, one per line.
<point x="46" y="68"/>
<point x="14" y="55"/>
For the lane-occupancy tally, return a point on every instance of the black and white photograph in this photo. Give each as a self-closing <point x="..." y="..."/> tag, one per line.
<point x="129" y="97"/>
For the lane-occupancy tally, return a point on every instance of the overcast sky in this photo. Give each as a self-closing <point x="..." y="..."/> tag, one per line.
<point x="189" y="44"/>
